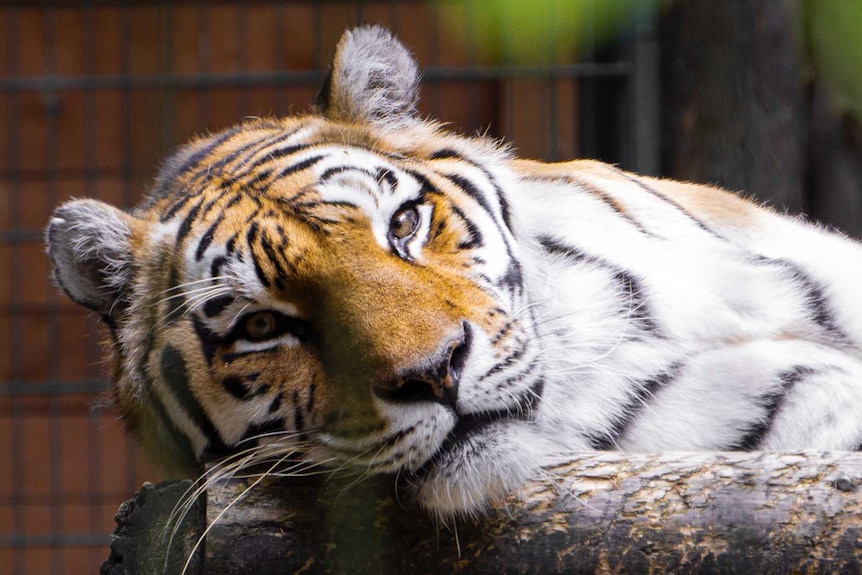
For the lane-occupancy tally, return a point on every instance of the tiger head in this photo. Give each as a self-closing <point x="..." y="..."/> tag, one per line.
<point x="341" y="289"/>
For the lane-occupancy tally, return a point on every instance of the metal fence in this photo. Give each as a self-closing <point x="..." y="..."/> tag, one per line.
<point x="93" y="94"/>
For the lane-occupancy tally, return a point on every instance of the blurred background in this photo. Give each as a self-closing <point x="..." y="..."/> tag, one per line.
<point x="755" y="95"/>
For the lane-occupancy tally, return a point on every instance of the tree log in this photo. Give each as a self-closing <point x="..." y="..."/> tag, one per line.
<point x="141" y="544"/>
<point x="598" y="513"/>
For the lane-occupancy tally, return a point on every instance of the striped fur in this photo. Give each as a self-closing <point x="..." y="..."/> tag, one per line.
<point x="435" y="308"/>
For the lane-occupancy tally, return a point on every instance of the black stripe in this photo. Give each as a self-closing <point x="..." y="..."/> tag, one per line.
<point x="474" y="235"/>
<point x="215" y="306"/>
<point x="174" y="208"/>
<point x="280" y="273"/>
<point x="232" y="202"/>
<point x="448" y="153"/>
<point x="505" y="212"/>
<point x="771" y="403"/>
<point x="207" y="238"/>
<point x="216" y="266"/>
<point x="180" y="442"/>
<point x="337" y="170"/>
<point x="473" y="191"/>
<point x="175" y="375"/>
<point x="236" y="387"/>
<point x="216" y="167"/>
<point x="312" y="389"/>
<point x="629" y="284"/>
<point x="815" y="296"/>
<point x="424" y="183"/>
<point x="275" y="405"/>
<point x="186" y="225"/>
<point x="298" y="423"/>
<point x="257" y="429"/>
<point x="286" y="151"/>
<point x="251" y="236"/>
<point x="445" y="154"/>
<point x="655" y="193"/>
<point x="470" y="189"/>
<point x="528" y="370"/>
<point x="506" y="362"/>
<point x="620" y="422"/>
<point x="209" y="340"/>
<point x="172" y="171"/>
<point x="230" y="246"/>
<point x="273" y="155"/>
<point x="258" y="270"/>
<point x="386" y="175"/>
<point x="513" y="279"/>
<point x="437" y="230"/>
<point x="298" y="167"/>
<point x="239" y="387"/>
<point x="258" y="178"/>
<point x="595" y="193"/>
<point x="176" y="300"/>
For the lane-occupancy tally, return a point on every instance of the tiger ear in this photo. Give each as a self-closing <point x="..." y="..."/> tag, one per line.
<point x="372" y="79"/>
<point x="89" y="243"/>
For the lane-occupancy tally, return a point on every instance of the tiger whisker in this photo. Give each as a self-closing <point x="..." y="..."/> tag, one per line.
<point x="206" y="480"/>
<point x="221" y="514"/>
<point x="202" y="299"/>
<point x="230" y="469"/>
<point x="204" y="295"/>
<point x="559" y="484"/>
<point x="194" y="282"/>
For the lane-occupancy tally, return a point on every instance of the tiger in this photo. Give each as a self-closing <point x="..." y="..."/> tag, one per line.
<point x="359" y="288"/>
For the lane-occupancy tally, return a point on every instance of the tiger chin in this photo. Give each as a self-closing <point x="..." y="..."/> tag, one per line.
<point x="359" y="289"/>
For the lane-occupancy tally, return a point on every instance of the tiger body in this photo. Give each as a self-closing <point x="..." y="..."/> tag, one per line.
<point x="361" y="289"/>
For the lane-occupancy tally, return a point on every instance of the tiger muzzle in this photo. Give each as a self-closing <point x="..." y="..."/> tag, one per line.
<point x="435" y="380"/>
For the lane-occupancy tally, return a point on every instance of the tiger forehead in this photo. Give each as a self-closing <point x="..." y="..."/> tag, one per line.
<point x="288" y="172"/>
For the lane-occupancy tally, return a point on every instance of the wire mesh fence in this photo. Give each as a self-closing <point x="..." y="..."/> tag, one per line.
<point x="93" y="94"/>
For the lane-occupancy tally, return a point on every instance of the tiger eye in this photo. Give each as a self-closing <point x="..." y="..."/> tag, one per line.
<point x="261" y="325"/>
<point x="404" y="222"/>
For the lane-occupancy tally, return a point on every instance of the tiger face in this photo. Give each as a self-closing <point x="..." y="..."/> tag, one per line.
<point x="315" y="289"/>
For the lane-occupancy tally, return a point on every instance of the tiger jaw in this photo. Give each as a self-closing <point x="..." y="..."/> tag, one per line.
<point x="452" y="462"/>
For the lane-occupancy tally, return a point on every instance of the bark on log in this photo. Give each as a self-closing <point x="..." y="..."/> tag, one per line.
<point x="142" y="546"/>
<point x="599" y="513"/>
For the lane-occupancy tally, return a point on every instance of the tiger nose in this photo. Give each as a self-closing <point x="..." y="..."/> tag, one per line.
<point x="436" y="380"/>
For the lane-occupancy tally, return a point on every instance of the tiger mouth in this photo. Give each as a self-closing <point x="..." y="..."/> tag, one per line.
<point x="471" y="426"/>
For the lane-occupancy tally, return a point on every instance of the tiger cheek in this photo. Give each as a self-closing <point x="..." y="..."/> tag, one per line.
<point x="279" y="384"/>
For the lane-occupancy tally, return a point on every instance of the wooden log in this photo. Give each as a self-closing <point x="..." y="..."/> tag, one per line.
<point x="143" y="546"/>
<point x="598" y="513"/>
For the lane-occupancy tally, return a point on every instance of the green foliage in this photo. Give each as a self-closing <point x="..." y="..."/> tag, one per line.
<point x="836" y="49"/>
<point x="547" y="31"/>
